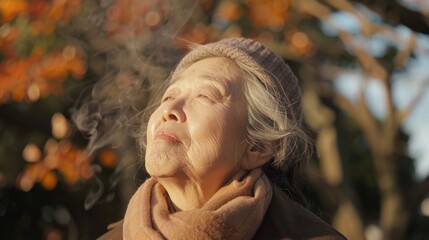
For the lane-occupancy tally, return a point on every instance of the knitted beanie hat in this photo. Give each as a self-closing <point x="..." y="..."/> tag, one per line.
<point x="253" y="54"/>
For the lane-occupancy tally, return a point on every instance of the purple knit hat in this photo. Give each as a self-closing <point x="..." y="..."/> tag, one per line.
<point x="253" y="54"/>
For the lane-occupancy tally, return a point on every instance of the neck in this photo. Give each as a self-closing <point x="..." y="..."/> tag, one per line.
<point x="191" y="193"/>
<point x="185" y="194"/>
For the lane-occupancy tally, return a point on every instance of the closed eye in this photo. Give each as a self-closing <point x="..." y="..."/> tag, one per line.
<point x="202" y="96"/>
<point x="166" y="98"/>
<point x="205" y="97"/>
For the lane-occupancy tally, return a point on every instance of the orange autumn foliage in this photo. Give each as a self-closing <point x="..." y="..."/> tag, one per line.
<point x="49" y="180"/>
<point x="39" y="73"/>
<point x="44" y="11"/>
<point x="60" y="158"/>
<point x="10" y="9"/>
<point x="229" y="11"/>
<point x="199" y="33"/>
<point x="8" y="35"/>
<point x="108" y="157"/>
<point x="47" y="14"/>
<point x="270" y="14"/>
<point x="134" y="17"/>
<point x="45" y="71"/>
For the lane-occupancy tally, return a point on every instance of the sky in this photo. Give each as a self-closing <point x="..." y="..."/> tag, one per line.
<point x="406" y="83"/>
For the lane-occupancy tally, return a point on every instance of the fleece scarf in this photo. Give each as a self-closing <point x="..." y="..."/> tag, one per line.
<point x="235" y="211"/>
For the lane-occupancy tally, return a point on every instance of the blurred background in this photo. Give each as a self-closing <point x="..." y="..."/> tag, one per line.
<point x="75" y="76"/>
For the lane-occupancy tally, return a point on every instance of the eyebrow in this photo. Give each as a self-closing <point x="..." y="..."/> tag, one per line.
<point x="212" y="78"/>
<point x="218" y="81"/>
<point x="215" y="82"/>
<point x="204" y="76"/>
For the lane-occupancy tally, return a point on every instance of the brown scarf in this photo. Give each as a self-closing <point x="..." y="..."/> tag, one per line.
<point x="234" y="212"/>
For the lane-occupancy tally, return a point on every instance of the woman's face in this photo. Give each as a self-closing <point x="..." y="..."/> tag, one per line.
<point x="198" y="131"/>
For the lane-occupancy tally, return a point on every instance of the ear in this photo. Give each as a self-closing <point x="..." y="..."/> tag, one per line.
<point x="257" y="155"/>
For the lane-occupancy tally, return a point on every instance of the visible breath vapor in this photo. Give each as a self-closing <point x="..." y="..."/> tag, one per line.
<point x="135" y="58"/>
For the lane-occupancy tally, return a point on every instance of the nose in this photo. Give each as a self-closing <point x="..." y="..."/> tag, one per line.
<point x="173" y="111"/>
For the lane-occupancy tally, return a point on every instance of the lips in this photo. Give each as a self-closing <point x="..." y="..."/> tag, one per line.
<point x="167" y="136"/>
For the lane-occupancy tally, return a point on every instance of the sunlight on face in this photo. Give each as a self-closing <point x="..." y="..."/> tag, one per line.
<point x="198" y="131"/>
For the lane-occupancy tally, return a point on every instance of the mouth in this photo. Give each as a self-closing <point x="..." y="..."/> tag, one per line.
<point x="167" y="136"/>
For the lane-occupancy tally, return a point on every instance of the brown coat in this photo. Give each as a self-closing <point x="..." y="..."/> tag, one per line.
<point x="285" y="219"/>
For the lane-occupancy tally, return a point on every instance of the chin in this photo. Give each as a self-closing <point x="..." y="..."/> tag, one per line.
<point x="161" y="164"/>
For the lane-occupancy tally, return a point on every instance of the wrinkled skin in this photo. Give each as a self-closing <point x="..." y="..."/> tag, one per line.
<point x="196" y="137"/>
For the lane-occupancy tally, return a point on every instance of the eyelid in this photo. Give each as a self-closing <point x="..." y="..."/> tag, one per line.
<point x="212" y="92"/>
<point x="202" y="95"/>
<point x="169" y="94"/>
<point x="210" y="96"/>
<point x="166" y="98"/>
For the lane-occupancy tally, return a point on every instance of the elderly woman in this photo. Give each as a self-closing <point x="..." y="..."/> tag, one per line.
<point x="232" y="109"/>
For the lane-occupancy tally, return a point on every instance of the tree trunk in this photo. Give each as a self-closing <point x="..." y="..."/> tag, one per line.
<point x="331" y="187"/>
<point x="394" y="216"/>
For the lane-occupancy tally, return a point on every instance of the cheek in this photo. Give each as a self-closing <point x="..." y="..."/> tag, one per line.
<point x="151" y="126"/>
<point x="202" y="155"/>
<point x="209" y="125"/>
<point x="208" y="136"/>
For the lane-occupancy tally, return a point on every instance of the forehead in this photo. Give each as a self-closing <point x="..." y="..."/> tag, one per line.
<point x="217" y="69"/>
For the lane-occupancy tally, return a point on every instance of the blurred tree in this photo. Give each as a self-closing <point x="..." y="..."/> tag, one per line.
<point x="382" y="134"/>
<point x="43" y="166"/>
